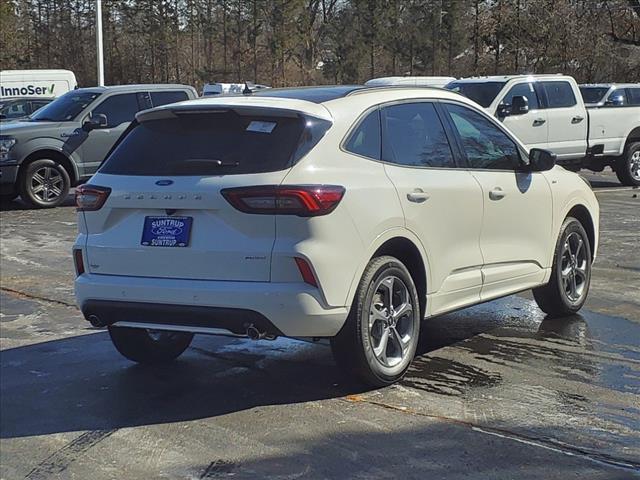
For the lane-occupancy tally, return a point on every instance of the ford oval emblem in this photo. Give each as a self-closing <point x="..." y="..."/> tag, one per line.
<point x="164" y="183"/>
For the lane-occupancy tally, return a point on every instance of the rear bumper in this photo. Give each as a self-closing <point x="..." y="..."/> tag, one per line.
<point x="290" y="309"/>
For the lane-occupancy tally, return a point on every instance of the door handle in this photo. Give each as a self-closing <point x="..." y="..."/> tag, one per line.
<point x="577" y="119"/>
<point x="496" y="194"/>
<point x="417" y="196"/>
<point x="539" y="121"/>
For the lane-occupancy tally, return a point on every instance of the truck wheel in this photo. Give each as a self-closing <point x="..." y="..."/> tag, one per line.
<point x="149" y="346"/>
<point x="44" y="183"/>
<point x="379" y="339"/>
<point x="628" y="166"/>
<point x="568" y="287"/>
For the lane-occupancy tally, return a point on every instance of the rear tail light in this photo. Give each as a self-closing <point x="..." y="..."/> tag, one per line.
<point x="78" y="261"/>
<point x="301" y="200"/>
<point x="306" y="272"/>
<point x="91" y="197"/>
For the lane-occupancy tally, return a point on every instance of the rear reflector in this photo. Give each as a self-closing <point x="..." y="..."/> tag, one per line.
<point x="301" y="200"/>
<point x="78" y="261"/>
<point x="91" y="197"/>
<point x="306" y="272"/>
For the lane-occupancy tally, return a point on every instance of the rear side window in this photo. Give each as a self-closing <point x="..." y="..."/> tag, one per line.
<point x="118" y="109"/>
<point x="559" y="94"/>
<point x="164" y="98"/>
<point x="365" y="139"/>
<point x="414" y="136"/>
<point x="633" y="95"/>
<point x="214" y="143"/>
<point x="524" y="90"/>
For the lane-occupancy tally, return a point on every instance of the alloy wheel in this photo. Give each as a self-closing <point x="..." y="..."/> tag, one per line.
<point x="634" y="165"/>
<point x="573" y="267"/>
<point x="47" y="184"/>
<point x="391" y="326"/>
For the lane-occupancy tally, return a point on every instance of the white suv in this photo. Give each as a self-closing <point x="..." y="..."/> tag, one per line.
<point x="347" y="213"/>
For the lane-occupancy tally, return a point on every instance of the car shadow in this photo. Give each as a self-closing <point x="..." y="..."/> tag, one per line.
<point x="81" y="383"/>
<point x="18" y="204"/>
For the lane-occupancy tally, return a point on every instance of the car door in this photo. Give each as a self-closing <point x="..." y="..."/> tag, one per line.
<point x="566" y="118"/>
<point x="442" y="204"/>
<point x="515" y="238"/>
<point x="120" y="110"/>
<point x="531" y="127"/>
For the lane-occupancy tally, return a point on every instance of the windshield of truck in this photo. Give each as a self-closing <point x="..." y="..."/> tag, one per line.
<point x="214" y="143"/>
<point x="593" y="94"/>
<point x="65" y="108"/>
<point x="483" y="93"/>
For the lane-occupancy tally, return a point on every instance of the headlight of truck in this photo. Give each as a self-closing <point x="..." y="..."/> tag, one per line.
<point x="6" y="144"/>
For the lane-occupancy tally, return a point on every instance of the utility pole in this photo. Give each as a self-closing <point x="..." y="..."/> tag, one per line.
<point x="99" y="52"/>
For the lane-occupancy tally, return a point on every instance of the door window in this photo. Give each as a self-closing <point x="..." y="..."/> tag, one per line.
<point x="164" y="98"/>
<point x="413" y="135"/>
<point x="365" y="139"/>
<point x="633" y="96"/>
<point x="559" y="94"/>
<point x="523" y="90"/>
<point x="484" y="144"/>
<point x="118" y="109"/>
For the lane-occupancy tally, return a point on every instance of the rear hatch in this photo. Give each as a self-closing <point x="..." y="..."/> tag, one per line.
<point x="165" y="216"/>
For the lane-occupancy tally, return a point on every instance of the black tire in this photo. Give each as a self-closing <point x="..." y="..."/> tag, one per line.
<point x="149" y="347"/>
<point x="52" y="180"/>
<point x="627" y="167"/>
<point x="354" y="346"/>
<point x="557" y="298"/>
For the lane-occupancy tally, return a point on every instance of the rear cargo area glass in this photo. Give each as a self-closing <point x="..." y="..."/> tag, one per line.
<point x="212" y="143"/>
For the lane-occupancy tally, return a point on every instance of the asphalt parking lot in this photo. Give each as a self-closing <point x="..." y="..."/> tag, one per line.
<point x="497" y="391"/>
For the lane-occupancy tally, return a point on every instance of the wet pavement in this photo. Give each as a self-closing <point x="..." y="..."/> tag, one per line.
<point x="496" y="391"/>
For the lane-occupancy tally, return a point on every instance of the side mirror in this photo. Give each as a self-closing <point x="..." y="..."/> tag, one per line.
<point x="503" y="110"/>
<point x="95" y="122"/>
<point x="615" y="101"/>
<point x="541" y="160"/>
<point x="519" y="105"/>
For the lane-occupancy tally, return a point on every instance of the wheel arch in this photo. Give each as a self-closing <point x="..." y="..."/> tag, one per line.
<point x="402" y="245"/>
<point x="581" y="213"/>
<point x="52" y="154"/>
<point x="634" y="136"/>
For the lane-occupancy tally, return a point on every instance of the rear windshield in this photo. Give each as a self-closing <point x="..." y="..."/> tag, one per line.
<point x="214" y="143"/>
<point x="593" y="94"/>
<point x="482" y="93"/>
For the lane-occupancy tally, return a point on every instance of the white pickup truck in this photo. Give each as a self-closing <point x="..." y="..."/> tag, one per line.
<point x="547" y="111"/>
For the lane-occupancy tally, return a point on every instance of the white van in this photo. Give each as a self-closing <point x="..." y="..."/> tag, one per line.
<point x="410" y="81"/>
<point x="36" y="83"/>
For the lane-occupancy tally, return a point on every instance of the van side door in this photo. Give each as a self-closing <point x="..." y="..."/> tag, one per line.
<point x="566" y="118"/>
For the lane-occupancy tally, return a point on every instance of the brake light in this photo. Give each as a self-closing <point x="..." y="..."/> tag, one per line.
<point x="306" y="272"/>
<point x="78" y="261"/>
<point x="301" y="200"/>
<point x="91" y="197"/>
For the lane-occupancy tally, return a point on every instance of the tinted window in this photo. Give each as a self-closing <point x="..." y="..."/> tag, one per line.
<point x="483" y="93"/>
<point x="593" y="94"/>
<point x="14" y="110"/>
<point x="633" y="94"/>
<point x="164" y="98"/>
<point x="485" y="145"/>
<point x="223" y="143"/>
<point x="118" y="109"/>
<point x="414" y="136"/>
<point x="617" y="98"/>
<point x="65" y="108"/>
<point x="523" y="90"/>
<point x="365" y="139"/>
<point x="559" y="94"/>
<point x="36" y="104"/>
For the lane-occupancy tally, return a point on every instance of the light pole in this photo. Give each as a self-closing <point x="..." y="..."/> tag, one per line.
<point x="100" y="58"/>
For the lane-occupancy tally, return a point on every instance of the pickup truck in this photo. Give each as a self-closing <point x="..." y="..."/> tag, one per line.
<point x="548" y="112"/>
<point x="64" y="142"/>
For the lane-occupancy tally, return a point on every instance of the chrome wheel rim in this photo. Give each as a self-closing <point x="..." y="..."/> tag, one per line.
<point x="391" y="326"/>
<point x="573" y="267"/>
<point x="47" y="184"/>
<point x="634" y="166"/>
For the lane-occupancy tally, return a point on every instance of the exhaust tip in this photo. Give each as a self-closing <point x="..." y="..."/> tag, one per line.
<point x="253" y="333"/>
<point x="95" y="321"/>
